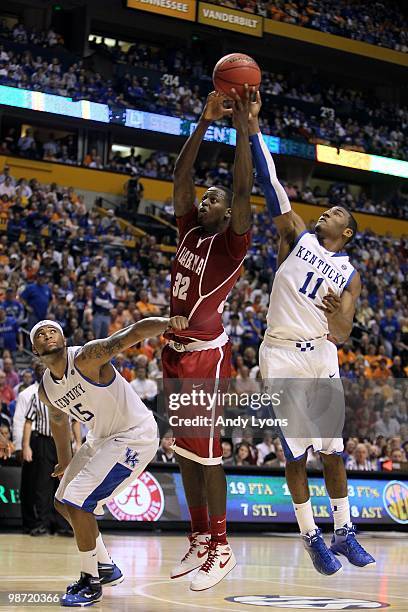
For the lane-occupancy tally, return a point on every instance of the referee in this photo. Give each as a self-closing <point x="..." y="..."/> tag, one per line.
<point x="43" y="459"/>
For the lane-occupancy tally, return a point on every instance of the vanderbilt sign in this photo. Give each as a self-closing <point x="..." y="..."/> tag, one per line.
<point x="229" y="19"/>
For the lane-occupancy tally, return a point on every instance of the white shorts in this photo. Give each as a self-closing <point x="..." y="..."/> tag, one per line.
<point x="103" y="468"/>
<point x="312" y="404"/>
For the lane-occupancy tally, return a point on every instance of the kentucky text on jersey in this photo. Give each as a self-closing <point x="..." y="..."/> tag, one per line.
<point x="190" y="261"/>
<point x="323" y="267"/>
<point x="69" y="397"/>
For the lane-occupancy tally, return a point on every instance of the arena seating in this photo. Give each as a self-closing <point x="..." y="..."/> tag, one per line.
<point x="49" y="237"/>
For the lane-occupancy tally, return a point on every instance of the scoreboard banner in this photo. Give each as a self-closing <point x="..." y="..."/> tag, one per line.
<point x="175" y="126"/>
<point x="181" y="9"/>
<point x="253" y="498"/>
<point x="230" y="19"/>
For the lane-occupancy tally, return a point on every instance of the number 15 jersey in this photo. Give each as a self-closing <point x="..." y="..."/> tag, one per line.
<point x="204" y="270"/>
<point x="300" y="283"/>
<point x="105" y="409"/>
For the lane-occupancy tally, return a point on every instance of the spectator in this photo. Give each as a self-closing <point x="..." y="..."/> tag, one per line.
<point x="242" y="455"/>
<point x="144" y="306"/>
<point x="10" y="335"/>
<point x="12" y="378"/>
<point x="37" y="297"/>
<point x="25" y="143"/>
<point x="389" y="328"/>
<point x="26" y="381"/>
<point x="102" y="305"/>
<point x="266" y="447"/>
<point x="13" y="307"/>
<point x="279" y="461"/>
<point x="360" y="460"/>
<point x="227" y="452"/>
<point x="144" y="387"/>
<point x="6" y="392"/>
<point x="165" y="453"/>
<point x="386" y="425"/>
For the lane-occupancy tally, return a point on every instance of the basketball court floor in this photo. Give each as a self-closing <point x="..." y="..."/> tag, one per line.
<point x="273" y="572"/>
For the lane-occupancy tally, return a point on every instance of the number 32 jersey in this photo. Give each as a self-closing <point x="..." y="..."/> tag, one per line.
<point x="105" y="409"/>
<point x="204" y="270"/>
<point x="300" y="283"/>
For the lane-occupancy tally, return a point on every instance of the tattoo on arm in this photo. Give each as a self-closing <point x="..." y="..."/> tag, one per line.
<point x="101" y="349"/>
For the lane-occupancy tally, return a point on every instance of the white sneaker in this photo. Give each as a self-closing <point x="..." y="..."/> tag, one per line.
<point x="221" y="560"/>
<point x="195" y="556"/>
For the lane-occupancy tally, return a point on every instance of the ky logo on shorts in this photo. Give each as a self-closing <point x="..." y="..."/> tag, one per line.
<point x="132" y="458"/>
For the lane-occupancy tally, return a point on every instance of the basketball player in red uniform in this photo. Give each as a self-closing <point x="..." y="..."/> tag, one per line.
<point x="213" y="241"/>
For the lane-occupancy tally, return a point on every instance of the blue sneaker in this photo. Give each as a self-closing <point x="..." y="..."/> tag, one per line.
<point x="82" y="593"/>
<point x="109" y="574"/>
<point x="323" y="559"/>
<point x="344" y="542"/>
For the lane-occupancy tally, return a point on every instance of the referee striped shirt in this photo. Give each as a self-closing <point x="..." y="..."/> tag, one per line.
<point x="38" y="412"/>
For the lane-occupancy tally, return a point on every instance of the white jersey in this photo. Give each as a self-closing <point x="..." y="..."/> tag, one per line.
<point x="300" y="284"/>
<point x="105" y="409"/>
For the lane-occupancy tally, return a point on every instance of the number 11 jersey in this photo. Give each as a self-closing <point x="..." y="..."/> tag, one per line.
<point x="204" y="270"/>
<point x="300" y="283"/>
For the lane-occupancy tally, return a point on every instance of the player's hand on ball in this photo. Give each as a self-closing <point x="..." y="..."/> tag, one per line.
<point x="178" y="323"/>
<point x="214" y="108"/>
<point x="255" y="106"/>
<point x="240" y="109"/>
<point x="330" y="304"/>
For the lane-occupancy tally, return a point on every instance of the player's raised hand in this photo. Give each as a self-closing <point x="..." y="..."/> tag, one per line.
<point x="255" y="105"/>
<point x="214" y="108"/>
<point x="331" y="304"/>
<point x="178" y="323"/>
<point x="240" y="108"/>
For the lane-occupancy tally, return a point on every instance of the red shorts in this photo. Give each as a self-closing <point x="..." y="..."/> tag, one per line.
<point x="212" y="368"/>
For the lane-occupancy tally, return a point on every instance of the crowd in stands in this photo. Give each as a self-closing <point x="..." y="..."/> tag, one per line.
<point x="312" y="110"/>
<point x="160" y="165"/>
<point x="19" y="33"/>
<point x="71" y="265"/>
<point x="377" y="23"/>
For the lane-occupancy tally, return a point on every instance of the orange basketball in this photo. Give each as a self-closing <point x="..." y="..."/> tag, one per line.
<point x="233" y="71"/>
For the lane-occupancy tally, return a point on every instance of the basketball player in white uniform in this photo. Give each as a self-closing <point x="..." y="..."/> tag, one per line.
<point x="314" y="297"/>
<point x="122" y="437"/>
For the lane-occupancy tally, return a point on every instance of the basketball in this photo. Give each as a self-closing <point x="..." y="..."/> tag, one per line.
<point x="233" y="71"/>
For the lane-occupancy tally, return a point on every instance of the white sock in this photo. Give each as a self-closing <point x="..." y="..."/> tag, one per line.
<point x="304" y="516"/>
<point x="89" y="562"/>
<point x="341" y="512"/>
<point x="101" y="552"/>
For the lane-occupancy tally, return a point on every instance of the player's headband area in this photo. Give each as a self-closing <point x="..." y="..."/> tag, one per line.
<point x="45" y="323"/>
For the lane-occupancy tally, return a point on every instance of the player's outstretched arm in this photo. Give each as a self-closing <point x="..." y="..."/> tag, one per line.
<point x="61" y="432"/>
<point x="288" y="223"/>
<point x="340" y="311"/>
<point x="98" y="352"/>
<point x="183" y="189"/>
<point x="243" y="170"/>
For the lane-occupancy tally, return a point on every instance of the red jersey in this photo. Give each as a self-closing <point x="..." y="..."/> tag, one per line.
<point x="203" y="272"/>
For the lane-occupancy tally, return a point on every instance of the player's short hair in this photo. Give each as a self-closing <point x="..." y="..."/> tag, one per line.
<point x="228" y="194"/>
<point x="351" y="224"/>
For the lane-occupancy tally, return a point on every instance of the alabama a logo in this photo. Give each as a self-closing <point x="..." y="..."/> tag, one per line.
<point x="142" y="500"/>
